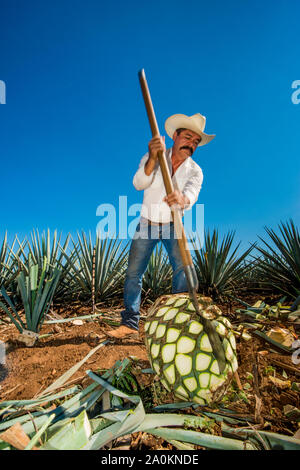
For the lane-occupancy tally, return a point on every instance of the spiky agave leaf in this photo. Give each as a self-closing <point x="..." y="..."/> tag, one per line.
<point x="36" y="292"/>
<point x="9" y="266"/>
<point x="219" y="268"/>
<point x="180" y="351"/>
<point x="158" y="275"/>
<point x="280" y="266"/>
<point x="110" y="265"/>
<point x="251" y="279"/>
<point x="41" y="247"/>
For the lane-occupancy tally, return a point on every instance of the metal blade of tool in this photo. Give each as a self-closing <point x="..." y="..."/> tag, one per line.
<point x="187" y="261"/>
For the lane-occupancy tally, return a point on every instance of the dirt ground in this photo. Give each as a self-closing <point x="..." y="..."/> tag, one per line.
<point x="30" y="370"/>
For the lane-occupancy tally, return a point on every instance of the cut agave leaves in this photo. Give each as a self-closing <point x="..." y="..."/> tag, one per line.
<point x="180" y="352"/>
<point x="73" y="435"/>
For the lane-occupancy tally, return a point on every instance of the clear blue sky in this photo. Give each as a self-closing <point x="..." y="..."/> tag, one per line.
<point x="74" y="127"/>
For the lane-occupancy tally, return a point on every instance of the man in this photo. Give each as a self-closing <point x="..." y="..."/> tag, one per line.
<point x="156" y="216"/>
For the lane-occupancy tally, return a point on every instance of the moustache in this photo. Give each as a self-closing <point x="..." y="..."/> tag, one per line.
<point x="188" y="148"/>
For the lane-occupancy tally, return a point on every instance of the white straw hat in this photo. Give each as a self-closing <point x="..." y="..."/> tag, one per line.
<point x="195" y="123"/>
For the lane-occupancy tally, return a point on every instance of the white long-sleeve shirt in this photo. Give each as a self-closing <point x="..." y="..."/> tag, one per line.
<point x="187" y="179"/>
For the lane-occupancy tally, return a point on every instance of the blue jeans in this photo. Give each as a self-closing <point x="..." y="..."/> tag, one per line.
<point x="142" y="245"/>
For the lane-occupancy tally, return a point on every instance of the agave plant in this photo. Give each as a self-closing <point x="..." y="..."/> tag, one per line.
<point x="9" y="266"/>
<point x="109" y="264"/>
<point x="251" y="280"/>
<point x="256" y="278"/>
<point x="279" y="266"/>
<point x="36" y="292"/>
<point x="39" y="248"/>
<point x="157" y="279"/>
<point x="219" y="272"/>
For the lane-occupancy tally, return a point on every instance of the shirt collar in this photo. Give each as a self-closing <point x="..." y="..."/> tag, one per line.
<point x="185" y="164"/>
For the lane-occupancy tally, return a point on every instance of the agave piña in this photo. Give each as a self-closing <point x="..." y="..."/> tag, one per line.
<point x="180" y="351"/>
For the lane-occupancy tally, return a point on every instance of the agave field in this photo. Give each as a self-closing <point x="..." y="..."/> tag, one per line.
<point x="65" y="385"/>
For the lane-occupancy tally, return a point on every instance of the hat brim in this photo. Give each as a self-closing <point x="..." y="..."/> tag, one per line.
<point x="181" y="121"/>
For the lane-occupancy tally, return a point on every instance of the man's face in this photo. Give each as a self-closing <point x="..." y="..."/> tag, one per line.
<point x="186" y="143"/>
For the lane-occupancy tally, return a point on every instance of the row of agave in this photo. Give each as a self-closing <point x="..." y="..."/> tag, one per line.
<point x="28" y="266"/>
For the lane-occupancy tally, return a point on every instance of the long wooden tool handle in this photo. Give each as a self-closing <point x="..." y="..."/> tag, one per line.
<point x="155" y="131"/>
<point x="182" y="240"/>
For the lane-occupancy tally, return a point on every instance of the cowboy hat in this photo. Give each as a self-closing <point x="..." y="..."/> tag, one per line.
<point x="195" y="123"/>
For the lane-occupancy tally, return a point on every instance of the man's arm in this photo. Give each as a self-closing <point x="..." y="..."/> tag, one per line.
<point x="149" y="166"/>
<point x="193" y="186"/>
<point x="144" y="176"/>
<point x="156" y="145"/>
<point x="189" y="195"/>
<point x="176" y="197"/>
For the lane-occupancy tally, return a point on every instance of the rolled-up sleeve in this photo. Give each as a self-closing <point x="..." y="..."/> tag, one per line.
<point x="193" y="186"/>
<point x="141" y="181"/>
